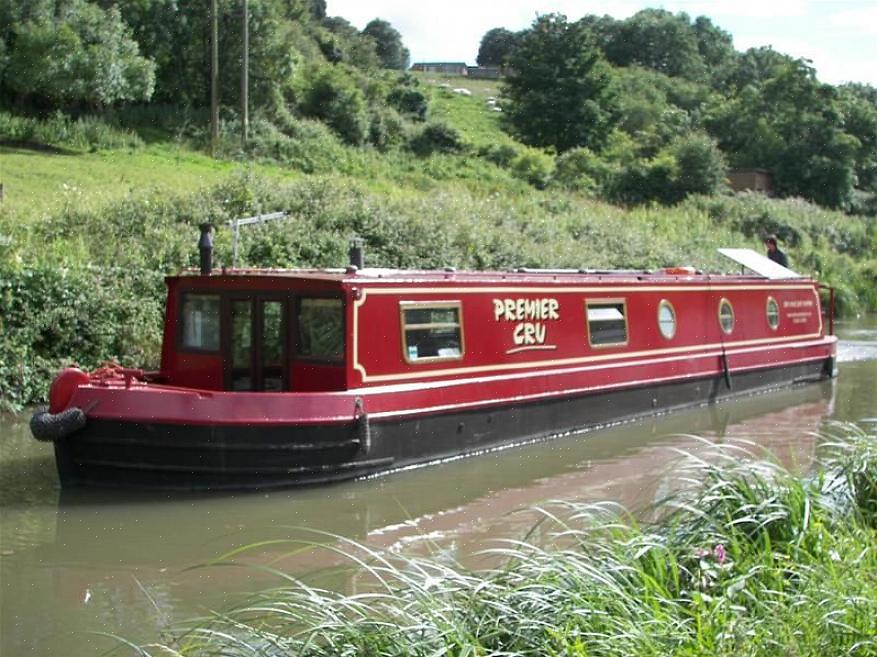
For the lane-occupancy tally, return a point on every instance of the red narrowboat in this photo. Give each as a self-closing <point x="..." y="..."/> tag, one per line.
<point x="281" y="377"/>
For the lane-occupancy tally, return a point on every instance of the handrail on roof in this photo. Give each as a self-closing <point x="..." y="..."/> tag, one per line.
<point x="246" y="221"/>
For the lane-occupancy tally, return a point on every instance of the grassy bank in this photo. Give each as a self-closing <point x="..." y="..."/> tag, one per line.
<point x="750" y="560"/>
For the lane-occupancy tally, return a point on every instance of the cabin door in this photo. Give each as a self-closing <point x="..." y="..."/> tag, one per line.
<point x="256" y="357"/>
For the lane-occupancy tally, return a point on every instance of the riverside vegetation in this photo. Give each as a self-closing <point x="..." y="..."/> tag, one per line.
<point x="106" y="179"/>
<point x="747" y="559"/>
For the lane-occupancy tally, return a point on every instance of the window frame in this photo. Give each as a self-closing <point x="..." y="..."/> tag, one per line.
<point x="181" y="345"/>
<point x="622" y="301"/>
<point x="426" y="305"/>
<point x="662" y="304"/>
<point x="722" y="303"/>
<point x="296" y="333"/>
<point x="771" y="301"/>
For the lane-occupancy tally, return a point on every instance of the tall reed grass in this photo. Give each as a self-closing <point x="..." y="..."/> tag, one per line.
<point x="747" y="559"/>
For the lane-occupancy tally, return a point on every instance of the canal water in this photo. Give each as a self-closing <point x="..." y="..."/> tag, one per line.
<point x="75" y="565"/>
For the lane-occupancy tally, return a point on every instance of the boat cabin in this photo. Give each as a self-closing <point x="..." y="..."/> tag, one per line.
<point x="335" y="330"/>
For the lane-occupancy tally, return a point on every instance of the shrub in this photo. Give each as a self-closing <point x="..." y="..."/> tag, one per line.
<point x="329" y="94"/>
<point x="56" y="316"/>
<point x="436" y="137"/>
<point x="579" y="169"/>
<point x="385" y="128"/>
<point x="85" y="133"/>
<point x="502" y="155"/>
<point x="700" y="166"/>
<point x="534" y="167"/>
<point x="307" y="145"/>
<point x="643" y="181"/>
<point x="410" y="102"/>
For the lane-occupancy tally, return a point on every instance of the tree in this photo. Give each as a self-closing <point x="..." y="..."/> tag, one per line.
<point x="859" y="107"/>
<point x="496" y="46"/>
<point x="559" y="87"/>
<point x="83" y="55"/>
<point x="356" y="48"/>
<point x="657" y="39"/>
<point x="392" y="53"/>
<point x="700" y="165"/>
<point x="329" y="94"/>
<point x="792" y="125"/>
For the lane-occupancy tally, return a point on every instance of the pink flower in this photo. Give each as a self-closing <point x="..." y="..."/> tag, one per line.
<point x="719" y="553"/>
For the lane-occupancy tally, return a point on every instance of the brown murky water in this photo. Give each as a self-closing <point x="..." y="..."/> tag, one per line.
<point x="72" y="565"/>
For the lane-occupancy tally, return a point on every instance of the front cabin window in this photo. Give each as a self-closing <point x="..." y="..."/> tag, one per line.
<point x="200" y="322"/>
<point x="320" y="329"/>
<point x="431" y="332"/>
<point x="607" y="322"/>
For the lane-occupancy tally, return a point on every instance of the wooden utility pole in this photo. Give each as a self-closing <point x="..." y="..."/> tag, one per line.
<point x="245" y="75"/>
<point x="214" y="78"/>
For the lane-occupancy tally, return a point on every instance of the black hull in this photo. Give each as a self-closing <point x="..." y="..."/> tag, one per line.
<point x="184" y="457"/>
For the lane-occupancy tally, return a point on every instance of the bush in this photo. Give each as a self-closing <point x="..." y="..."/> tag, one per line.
<point x="89" y="133"/>
<point x="534" y="167"/>
<point x="329" y="94"/>
<point x="580" y="169"/>
<point x="410" y="102"/>
<point x="502" y="155"/>
<point x="307" y="145"/>
<point x="700" y="166"/>
<point x="436" y="137"/>
<point x="54" y="317"/>
<point x="385" y="129"/>
<point x="643" y="181"/>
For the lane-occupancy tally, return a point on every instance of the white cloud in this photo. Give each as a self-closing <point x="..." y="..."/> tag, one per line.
<point x="717" y="9"/>
<point x="862" y="20"/>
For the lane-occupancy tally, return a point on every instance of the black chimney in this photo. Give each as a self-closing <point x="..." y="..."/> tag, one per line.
<point x="357" y="259"/>
<point x="205" y="248"/>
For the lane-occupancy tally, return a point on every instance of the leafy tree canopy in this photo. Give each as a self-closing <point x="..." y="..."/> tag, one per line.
<point x="792" y="125"/>
<point x="559" y="87"/>
<point x="496" y="47"/>
<point x="84" y="54"/>
<point x="388" y="43"/>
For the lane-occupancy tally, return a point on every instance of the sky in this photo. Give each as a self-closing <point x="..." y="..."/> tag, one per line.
<point x="838" y="36"/>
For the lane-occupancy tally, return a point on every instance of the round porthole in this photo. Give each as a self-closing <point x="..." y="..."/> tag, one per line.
<point x="666" y="319"/>
<point x="773" y="313"/>
<point x="726" y="316"/>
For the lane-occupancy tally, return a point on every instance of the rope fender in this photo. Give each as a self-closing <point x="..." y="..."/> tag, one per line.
<point x="50" y="427"/>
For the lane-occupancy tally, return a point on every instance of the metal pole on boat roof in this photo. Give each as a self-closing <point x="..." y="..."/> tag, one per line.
<point x="237" y="237"/>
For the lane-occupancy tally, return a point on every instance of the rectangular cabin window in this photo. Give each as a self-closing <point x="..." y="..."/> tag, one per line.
<point x="607" y="322"/>
<point x="200" y="322"/>
<point x="321" y="329"/>
<point x="431" y="332"/>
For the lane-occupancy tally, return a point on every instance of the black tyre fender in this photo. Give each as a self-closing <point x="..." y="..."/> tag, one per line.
<point x="50" y="427"/>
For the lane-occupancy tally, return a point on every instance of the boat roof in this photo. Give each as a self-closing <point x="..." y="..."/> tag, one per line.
<point x="521" y="275"/>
